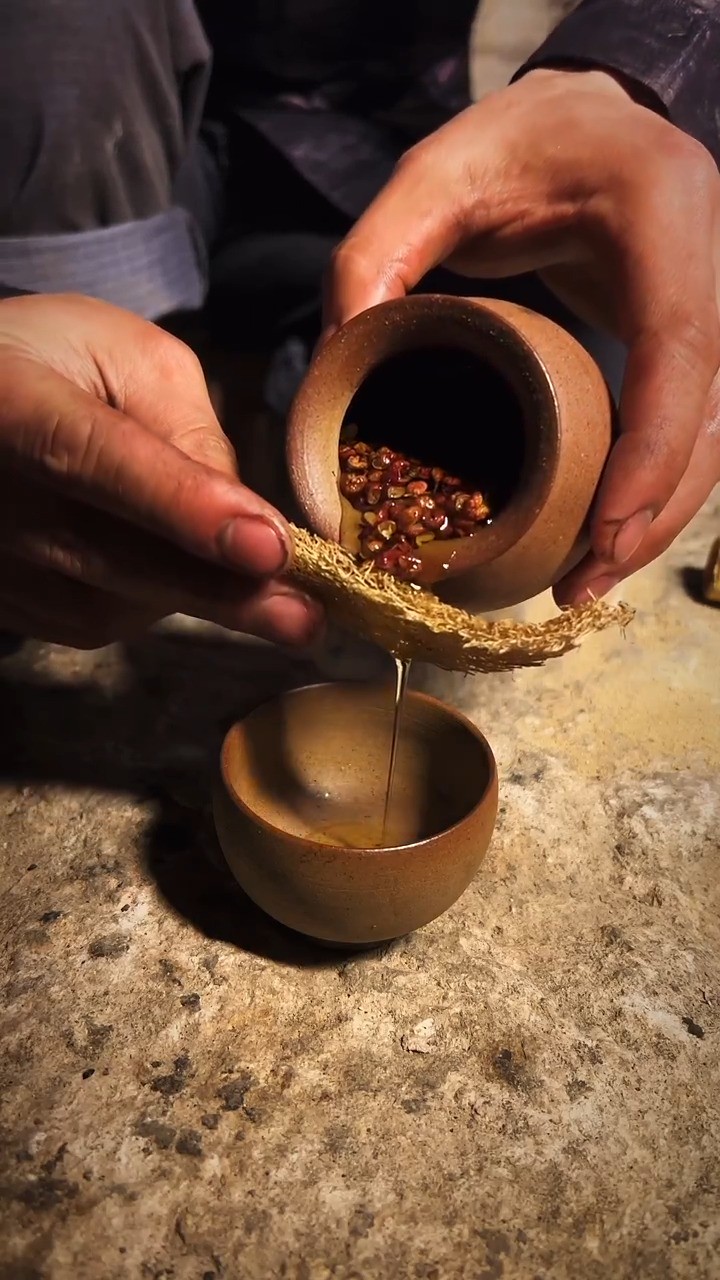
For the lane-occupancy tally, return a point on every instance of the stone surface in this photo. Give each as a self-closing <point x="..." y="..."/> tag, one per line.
<point x="528" y="1087"/>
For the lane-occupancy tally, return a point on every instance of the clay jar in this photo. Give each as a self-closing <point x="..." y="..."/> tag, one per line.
<point x="485" y="389"/>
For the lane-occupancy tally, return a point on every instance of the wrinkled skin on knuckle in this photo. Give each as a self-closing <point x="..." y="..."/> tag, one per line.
<point x="444" y="163"/>
<point x="692" y="163"/>
<point x="690" y="327"/>
<point x="701" y="337"/>
<point x="208" y="446"/>
<point x="347" y="259"/>
<point x="59" y="331"/>
<point x="70" y="446"/>
<point x="194" y="431"/>
<point x="174" y="360"/>
<point x="665" y="228"/>
<point x="349" y="266"/>
<point x="712" y="421"/>
<point x="678" y="177"/>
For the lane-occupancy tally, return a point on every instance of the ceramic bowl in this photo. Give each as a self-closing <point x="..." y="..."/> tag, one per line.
<point x="299" y="811"/>
<point x="483" y="388"/>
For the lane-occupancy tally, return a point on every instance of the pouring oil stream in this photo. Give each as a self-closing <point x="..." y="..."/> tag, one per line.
<point x="402" y="673"/>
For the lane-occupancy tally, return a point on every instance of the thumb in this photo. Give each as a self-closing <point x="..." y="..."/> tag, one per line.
<point x="65" y="437"/>
<point x="167" y="393"/>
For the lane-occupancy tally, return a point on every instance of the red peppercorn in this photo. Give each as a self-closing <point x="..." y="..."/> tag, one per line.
<point x="404" y="505"/>
<point x="408" y="516"/>
<point x="476" y="507"/>
<point x="436" y="520"/>
<point x="399" y="471"/>
<point x="351" y="485"/>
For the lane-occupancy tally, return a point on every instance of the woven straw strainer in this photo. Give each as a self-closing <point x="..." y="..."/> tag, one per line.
<point x="412" y="623"/>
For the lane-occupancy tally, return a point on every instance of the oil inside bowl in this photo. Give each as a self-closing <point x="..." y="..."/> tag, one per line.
<point x="368" y="832"/>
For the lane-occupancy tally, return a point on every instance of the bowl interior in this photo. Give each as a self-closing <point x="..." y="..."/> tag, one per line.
<point x="314" y="764"/>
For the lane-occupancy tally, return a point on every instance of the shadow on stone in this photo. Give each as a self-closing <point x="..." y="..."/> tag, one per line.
<point x="151" y="727"/>
<point x="692" y="582"/>
<point x="148" y="720"/>
<point x="182" y="856"/>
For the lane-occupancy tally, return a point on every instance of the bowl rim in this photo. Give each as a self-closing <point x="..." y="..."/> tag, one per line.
<point x="302" y="842"/>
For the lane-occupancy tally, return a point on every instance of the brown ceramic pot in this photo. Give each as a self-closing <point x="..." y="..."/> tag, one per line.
<point x="501" y="387"/>
<point x="303" y="778"/>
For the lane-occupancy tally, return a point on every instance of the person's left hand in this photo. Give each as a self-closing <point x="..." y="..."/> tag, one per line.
<point x="120" y="500"/>
<point x="563" y="173"/>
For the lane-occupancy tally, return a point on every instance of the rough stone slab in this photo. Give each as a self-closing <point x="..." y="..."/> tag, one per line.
<point x="527" y="1088"/>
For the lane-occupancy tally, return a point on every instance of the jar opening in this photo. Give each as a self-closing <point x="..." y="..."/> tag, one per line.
<point x="449" y="408"/>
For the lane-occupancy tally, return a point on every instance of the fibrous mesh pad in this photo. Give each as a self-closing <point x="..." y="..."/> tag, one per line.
<point x="412" y="623"/>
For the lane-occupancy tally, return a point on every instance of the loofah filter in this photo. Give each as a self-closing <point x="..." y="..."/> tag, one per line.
<point x="413" y="623"/>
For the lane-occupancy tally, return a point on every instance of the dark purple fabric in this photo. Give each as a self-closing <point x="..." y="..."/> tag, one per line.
<point x="100" y="100"/>
<point x="340" y="87"/>
<point x="670" y="47"/>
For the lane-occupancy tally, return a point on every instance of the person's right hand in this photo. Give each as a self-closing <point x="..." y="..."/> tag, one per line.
<point x="120" y="501"/>
<point x="563" y="173"/>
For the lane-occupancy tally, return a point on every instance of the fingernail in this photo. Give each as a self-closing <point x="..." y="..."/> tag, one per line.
<point x="630" y="535"/>
<point x="598" y="588"/>
<point x="254" y="544"/>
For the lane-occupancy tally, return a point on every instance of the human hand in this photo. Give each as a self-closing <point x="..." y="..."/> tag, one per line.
<point x="119" y="496"/>
<point x="619" y="211"/>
